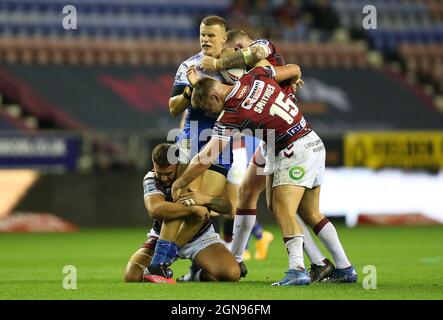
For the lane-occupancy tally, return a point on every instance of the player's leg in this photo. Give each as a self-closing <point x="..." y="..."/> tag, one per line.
<point x="285" y="201"/>
<point x="231" y="190"/>
<point x="249" y="191"/>
<point x="295" y="170"/>
<point x="321" y="267"/>
<point x="326" y="232"/>
<point x="228" y="226"/>
<point x="212" y="261"/>
<point x="166" y="249"/>
<point x="217" y="263"/>
<point x="139" y="261"/>
<point x="213" y="183"/>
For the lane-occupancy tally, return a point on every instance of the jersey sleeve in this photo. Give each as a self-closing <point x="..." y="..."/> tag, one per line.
<point x="180" y="77"/>
<point x="150" y="185"/>
<point x="224" y="127"/>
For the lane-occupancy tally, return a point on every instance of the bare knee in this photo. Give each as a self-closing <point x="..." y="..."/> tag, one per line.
<point x="228" y="274"/>
<point x="278" y="211"/>
<point x="311" y="217"/>
<point x="247" y="196"/>
<point x="133" y="273"/>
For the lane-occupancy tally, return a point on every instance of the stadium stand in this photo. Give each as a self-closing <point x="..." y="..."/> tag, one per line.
<point x="5" y="122"/>
<point x="114" y="18"/>
<point x="98" y="95"/>
<point x="426" y="61"/>
<point x="114" y="72"/>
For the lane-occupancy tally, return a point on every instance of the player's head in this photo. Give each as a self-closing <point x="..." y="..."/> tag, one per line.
<point x="237" y="38"/>
<point x="212" y="35"/>
<point x="207" y="95"/>
<point x="164" y="159"/>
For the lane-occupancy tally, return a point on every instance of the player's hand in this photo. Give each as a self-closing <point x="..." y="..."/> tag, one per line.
<point x="208" y="64"/>
<point x="192" y="75"/>
<point x="200" y="212"/>
<point x="195" y="198"/>
<point x="297" y="83"/>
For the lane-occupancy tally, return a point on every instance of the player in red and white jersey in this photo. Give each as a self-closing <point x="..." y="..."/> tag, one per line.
<point x="212" y="261"/>
<point x="254" y="182"/>
<point x="248" y="53"/>
<point x="257" y="102"/>
<point x="294" y="175"/>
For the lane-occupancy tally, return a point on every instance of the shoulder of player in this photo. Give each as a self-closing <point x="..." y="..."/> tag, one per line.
<point x="195" y="58"/>
<point x="262" y="41"/>
<point x="151" y="185"/>
<point x="149" y="175"/>
<point x="234" y="90"/>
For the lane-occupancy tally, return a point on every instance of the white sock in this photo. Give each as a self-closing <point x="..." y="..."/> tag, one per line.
<point x="243" y="225"/>
<point x="295" y="252"/>
<point x="329" y="237"/>
<point x="311" y="249"/>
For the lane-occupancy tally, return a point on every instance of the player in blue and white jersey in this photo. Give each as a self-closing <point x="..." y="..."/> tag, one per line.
<point x="196" y="133"/>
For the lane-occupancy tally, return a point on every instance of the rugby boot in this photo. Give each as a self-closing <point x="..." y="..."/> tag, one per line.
<point x="345" y="275"/>
<point x="318" y="273"/>
<point x="294" y="277"/>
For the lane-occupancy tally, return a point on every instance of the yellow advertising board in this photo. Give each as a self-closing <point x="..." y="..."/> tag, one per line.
<point x="401" y="149"/>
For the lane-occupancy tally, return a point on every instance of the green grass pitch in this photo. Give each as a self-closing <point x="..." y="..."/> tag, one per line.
<point x="408" y="260"/>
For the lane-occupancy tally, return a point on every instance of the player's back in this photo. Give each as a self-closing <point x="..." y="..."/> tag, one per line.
<point x="257" y="102"/>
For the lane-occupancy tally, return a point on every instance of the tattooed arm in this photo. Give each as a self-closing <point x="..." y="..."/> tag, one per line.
<point x="218" y="204"/>
<point x="230" y="58"/>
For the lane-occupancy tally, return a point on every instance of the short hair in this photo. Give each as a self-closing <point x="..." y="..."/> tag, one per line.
<point x="201" y="92"/>
<point x="215" y="20"/>
<point x="165" y="155"/>
<point x="234" y="34"/>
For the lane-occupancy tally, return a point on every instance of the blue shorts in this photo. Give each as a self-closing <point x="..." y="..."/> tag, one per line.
<point x="188" y="150"/>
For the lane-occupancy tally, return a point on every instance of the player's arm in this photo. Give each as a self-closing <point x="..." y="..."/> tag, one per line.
<point x="199" y="164"/>
<point x="159" y="208"/>
<point x="180" y="99"/>
<point x="183" y="119"/>
<point x="220" y="204"/>
<point x="182" y="91"/>
<point x="287" y="72"/>
<point x="243" y="58"/>
<point x="281" y="73"/>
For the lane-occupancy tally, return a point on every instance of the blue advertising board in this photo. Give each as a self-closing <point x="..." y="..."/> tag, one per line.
<point x="39" y="152"/>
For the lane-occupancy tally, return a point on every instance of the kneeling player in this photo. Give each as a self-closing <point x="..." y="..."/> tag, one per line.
<point x="211" y="259"/>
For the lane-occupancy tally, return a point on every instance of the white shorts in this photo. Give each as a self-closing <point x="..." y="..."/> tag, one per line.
<point x="191" y="249"/>
<point x="184" y="155"/>
<point x="239" y="166"/>
<point x="301" y="164"/>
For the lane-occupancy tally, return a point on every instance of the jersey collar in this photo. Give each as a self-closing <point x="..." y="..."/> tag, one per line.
<point x="233" y="91"/>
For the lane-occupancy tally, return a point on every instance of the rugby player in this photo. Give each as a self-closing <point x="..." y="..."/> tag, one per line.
<point x="191" y="139"/>
<point x="215" y="262"/>
<point x="253" y="184"/>
<point x="294" y="164"/>
<point x="213" y="181"/>
<point x="243" y="150"/>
